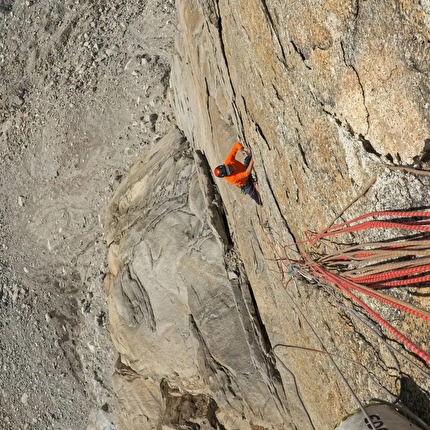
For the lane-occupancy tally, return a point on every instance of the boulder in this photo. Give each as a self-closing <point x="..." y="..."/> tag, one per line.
<point x="191" y="350"/>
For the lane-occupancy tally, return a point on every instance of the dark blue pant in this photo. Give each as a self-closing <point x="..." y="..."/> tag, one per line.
<point x="249" y="188"/>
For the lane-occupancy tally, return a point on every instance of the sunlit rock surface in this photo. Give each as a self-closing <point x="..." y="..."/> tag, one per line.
<point x="332" y="100"/>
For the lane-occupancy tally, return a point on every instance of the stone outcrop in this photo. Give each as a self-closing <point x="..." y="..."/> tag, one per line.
<point x="183" y="316"/>
<point x="332" y="100"/>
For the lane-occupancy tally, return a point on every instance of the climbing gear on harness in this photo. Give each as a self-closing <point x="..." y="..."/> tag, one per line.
<point x="251" y="191"/>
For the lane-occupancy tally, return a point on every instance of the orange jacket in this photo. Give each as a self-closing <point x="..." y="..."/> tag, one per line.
<point x="238" y="174"/>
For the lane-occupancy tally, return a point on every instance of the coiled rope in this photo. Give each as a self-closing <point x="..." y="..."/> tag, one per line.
<point x="367" y="268"/>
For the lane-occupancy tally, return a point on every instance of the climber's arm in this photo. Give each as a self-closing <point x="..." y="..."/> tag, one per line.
<point x="249" y="168"/>
<point x="232" y="155"/>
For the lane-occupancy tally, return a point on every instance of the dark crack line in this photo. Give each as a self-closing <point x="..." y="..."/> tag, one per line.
<point x="277" y="205"/>
<point x="363" y="95"/>
<point x="295" y="182"/>
<point x="357" y="10"/>
<point x="224" y="55"/>
<point x="257" y="335"/>
<point x="216" y="209"/>
<point x="302" y="152"/>
<point x="302" y="56"/>
<point x="278" y="95"/>
<point x="239" y="120"/>
<point x="260" y="132"/>
<point x="262" y="336"/>
<point x="208" y="106"/>
<point x="275" y="33"/>
<point x="345" y="125"/>
<point x="143" y="305"/>
<point x="299" y="119"/>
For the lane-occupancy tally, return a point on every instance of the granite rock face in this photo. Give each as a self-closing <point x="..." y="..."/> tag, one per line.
<point x="332" y="100"/>
<point x="314" y="90"/>
<point x="183" y="317"/>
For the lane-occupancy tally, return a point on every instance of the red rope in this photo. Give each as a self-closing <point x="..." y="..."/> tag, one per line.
<point x="346" y="226"/>
<point x="405" y="214"/>
<point x="409" y="344"/>
<point x="372" y="224"/>
<point x="367" y="291"/>
<point x="379" y="280"/>
<point x="377" y="277"/>
<point x="347" y="286"/>
<point x="402" y="282"/>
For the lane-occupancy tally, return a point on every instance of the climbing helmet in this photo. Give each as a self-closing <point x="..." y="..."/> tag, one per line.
<point x="222" y="170"/>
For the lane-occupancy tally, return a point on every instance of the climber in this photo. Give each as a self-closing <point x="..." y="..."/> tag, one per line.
<point x="239" y="174"/>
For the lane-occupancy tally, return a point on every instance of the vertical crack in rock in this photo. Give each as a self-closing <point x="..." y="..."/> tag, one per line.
<point x="275" y="33"/>
<point x="261" y="133"/>
<point x="357" y="10"/>
<point x="219" y="26"/>
<point x="302" y="56"/>
<point x="299" y="119"/>
<point x="208" y="357"/>
<point x="216" y="215"/>
<point x="264" y="345"/>
<point x="295" y="182"/>
<point x="239" y="121"/>
<point x="138" y="301"/>
<point x="363" y="95"/>
<point x="277" y="93"/>
<point x="222" y="45"/>
<point x="302" y="152"/>
<point x="269" y="185"/>
<point x="208" y="108"/>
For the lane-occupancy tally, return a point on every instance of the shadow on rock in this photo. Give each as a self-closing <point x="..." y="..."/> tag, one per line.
<point x="414" y="398"/>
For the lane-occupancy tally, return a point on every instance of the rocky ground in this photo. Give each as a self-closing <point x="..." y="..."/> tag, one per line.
<point x="82" y="94"/>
